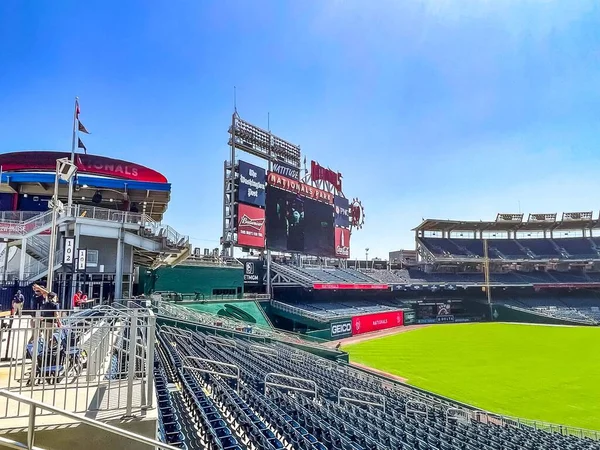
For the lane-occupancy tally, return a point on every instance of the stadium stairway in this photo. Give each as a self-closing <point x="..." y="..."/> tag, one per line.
<point x="238" y="395"/>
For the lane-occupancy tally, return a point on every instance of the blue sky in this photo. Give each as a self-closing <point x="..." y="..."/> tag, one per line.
<point x="432" y="108"/>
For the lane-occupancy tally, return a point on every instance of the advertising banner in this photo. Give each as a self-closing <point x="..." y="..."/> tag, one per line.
<point x="349" y="286"/>
<point x="298" y="224"/>
<point x="409" y="317"/>
<point x="375" y="322"/>
<point x="321" y="173"/>
<point x="342" y="211"/>
<point x="286" y="170"/>
<point x="341" y="329"/>
<point x="342" y="243"/>
<point x="251" y="188"/>
<point x="254" y="271"/>
<point x="20" y="227"/>
<point x="296" y="187"/>
<point x="251" y="226"/>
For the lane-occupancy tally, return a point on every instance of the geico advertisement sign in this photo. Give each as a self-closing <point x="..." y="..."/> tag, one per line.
<point x="341" y="329"/>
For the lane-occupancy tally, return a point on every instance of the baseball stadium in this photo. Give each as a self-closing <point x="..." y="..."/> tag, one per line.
<point x="117" y="333"/>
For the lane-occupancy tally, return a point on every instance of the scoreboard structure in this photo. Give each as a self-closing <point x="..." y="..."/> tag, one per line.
<point x="273" y="208"/>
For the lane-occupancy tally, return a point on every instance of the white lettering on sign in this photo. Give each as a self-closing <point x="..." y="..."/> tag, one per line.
<point x="69" y="252"/>
<point x="341" y="328"/>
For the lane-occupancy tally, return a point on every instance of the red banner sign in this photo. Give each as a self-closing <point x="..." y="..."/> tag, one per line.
<point x="251" y="226"/>
<point x="86" y="164"/>
<point x="19" y="227"/>
<point x="349" y="286"/>
<point x="342" y="242"/>
<point x="296" y="187"/>
<point x="537" y="287"/>
<point x="321" y="173"/>
<point x="375" y="322"/>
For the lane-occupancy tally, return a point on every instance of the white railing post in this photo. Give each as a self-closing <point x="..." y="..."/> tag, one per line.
<point x="131" y="360"/>
<point x="31" y="427"/>
<point x="151" y="335"/>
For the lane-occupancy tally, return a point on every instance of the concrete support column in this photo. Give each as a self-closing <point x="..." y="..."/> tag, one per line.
<point x="22" y="260"/>
<point x="119" y="266"/>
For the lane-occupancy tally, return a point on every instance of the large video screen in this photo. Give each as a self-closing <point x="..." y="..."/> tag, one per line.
<point x="298" y="224"/>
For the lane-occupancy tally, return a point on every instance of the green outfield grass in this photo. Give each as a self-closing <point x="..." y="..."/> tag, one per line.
<point x="536" y="372"/>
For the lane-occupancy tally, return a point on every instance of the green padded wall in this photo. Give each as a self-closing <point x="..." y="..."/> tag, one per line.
<point x="190" y="279"/>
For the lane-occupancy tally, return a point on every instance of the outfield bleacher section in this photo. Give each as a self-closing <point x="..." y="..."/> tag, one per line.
<point x="515" y="249"/>
<point x="323" y="311"/>
<point x="229" y="393"/>
<point x="585" y="310"/>
<point x="419" y="276"/>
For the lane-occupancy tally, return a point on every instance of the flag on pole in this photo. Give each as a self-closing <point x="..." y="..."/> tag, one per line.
<point x="80" y="144"/>
<point x="77" y="109"/>
<point x="82" y="128"/>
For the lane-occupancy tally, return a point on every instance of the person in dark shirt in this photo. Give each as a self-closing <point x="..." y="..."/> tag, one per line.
<point x="50" y="307"/>
<point x="40" y="296"/>
<point x="17" y="303"/>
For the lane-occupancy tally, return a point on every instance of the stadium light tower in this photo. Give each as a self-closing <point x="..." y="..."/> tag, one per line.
<point x="367" y="258"/>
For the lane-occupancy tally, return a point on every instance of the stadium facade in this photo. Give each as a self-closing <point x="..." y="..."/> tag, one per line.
<point x="113" y="228"/>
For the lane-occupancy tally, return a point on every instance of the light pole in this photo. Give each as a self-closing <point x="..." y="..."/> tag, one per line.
<point x="367" y="258"/>
<point x="65" y="170"/>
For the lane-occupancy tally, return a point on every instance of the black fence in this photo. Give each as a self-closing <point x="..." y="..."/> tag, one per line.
<point x="63" y="288"/>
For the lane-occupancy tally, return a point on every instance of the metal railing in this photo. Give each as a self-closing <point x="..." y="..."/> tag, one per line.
<point x="185" y="314"/>
<point x="21" y="223"/>
<point x="516" y="422"/>
<point x="302" y="312"/>
<point x="34" y="405"/>
<point x="97" y="359"/>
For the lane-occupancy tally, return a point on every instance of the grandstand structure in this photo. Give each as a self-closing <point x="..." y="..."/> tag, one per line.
<point x="541" y="238"/>
<point x="197" y="381"/>
<point x="541" y="265"/>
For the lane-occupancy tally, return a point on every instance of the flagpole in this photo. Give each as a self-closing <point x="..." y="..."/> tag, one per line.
<point x="73" y="144"/>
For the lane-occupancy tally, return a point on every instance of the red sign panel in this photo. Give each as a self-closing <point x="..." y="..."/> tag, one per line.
<point x="294" y="186"/>
<point x="86" y="164"/>
<point x="349" y="286"/>
<point x="251" y="226"/>
<point x="375" y="322"/>
<point x="20" y="227"/>
<point x="321" y="173"/>
<point x="342" y="243"/>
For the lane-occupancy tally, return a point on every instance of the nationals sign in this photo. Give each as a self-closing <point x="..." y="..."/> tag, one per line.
<point x="251" y="226"/>
<point x="375" y="322"/>
<point x="321" y="173"/>
<point x="349" y="286"/>
<point x="296" y="187"/>
<point x="86" y="164"/>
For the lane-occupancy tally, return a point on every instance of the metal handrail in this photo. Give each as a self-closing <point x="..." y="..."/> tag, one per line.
<point x="214" y="372"/>
<point x="34" y="404"/>
<point x="287" y="386"/>
<point x="356" y="400"/>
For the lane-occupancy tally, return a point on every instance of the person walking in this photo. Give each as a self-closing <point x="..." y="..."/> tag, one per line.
<point x="17" y="303"/>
